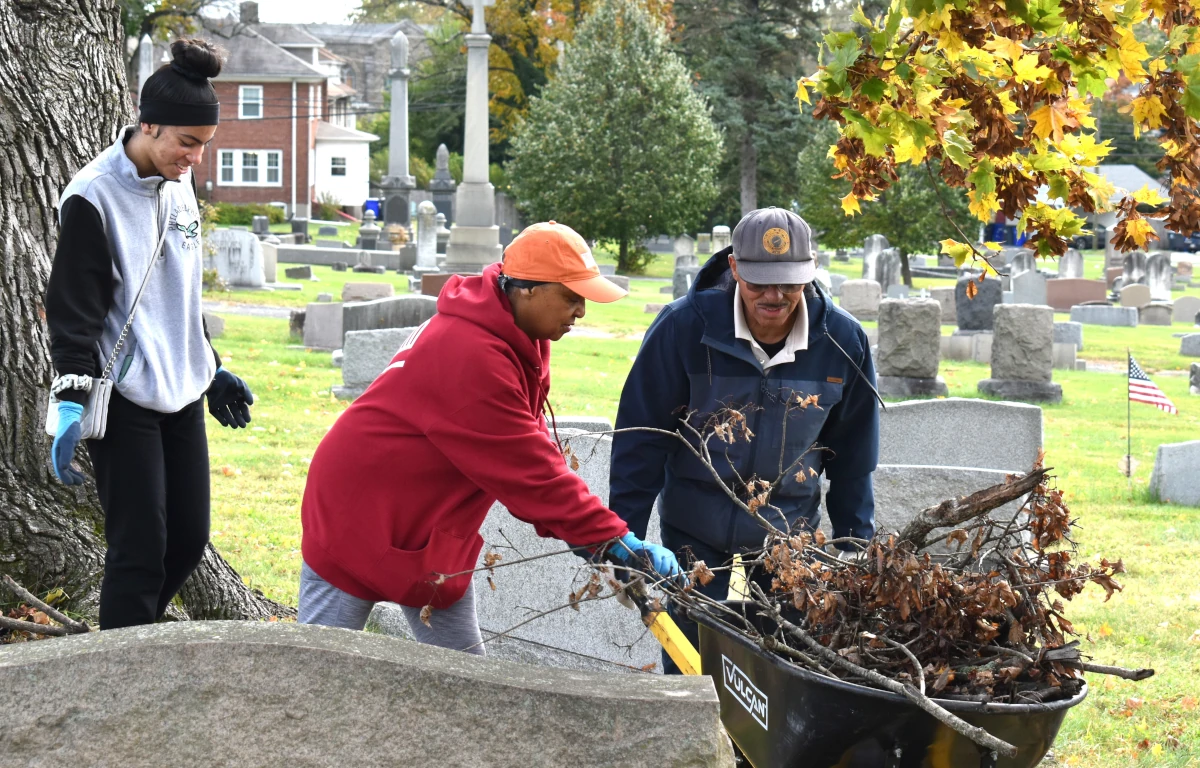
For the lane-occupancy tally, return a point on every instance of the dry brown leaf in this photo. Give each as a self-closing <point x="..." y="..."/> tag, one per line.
<point x="426" y="612"/>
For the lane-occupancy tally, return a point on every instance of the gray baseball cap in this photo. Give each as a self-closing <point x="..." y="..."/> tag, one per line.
<point x="772" y="246"/>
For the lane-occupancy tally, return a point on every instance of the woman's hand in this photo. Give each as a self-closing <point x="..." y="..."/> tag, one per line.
<point x="229" y="400"/>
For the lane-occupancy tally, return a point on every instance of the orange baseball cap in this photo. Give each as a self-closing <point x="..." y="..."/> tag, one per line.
<point x="550" y="252"/>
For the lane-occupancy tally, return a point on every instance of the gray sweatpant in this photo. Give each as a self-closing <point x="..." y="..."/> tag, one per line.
<point x="455" y="627"/>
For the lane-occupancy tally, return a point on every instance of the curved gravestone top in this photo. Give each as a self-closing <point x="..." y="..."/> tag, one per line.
<point x="1133" y="267"/>
<point x="961" y="432"/>
<point x="399" y="50"/>
<point x="306" y="695"/>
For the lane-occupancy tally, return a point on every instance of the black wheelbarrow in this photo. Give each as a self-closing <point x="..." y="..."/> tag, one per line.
<point x="781" y="715"/>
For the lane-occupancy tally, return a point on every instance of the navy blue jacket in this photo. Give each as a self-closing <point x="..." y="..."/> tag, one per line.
<point x="690" y="357"/>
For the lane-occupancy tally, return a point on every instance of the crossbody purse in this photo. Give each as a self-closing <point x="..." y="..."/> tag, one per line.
<point x="94" y="422"/>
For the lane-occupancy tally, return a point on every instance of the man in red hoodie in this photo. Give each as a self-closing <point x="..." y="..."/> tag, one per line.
<point x="400" y="486"/>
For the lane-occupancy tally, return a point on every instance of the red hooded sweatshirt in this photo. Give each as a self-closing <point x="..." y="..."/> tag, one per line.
<point x="400" y="486"/>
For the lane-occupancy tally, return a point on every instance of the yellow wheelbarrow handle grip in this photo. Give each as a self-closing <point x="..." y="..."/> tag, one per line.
<point x="673" y="641"/>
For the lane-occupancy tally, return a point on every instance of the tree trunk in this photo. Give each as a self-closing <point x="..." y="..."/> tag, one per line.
<point x="749" y="168"/>
<point x="905" y="270"/>
<point x="63" y="94"/>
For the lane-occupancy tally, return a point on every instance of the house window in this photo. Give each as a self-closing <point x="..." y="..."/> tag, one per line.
<point x="338" y="166"/>
<point x="250" y="102"/>
<point x="251" y="167"/>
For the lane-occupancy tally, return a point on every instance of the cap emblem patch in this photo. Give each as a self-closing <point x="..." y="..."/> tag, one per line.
<point x="776" y="241"/>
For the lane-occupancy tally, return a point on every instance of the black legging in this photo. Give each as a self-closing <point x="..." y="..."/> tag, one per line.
<point x="152" y="475"/>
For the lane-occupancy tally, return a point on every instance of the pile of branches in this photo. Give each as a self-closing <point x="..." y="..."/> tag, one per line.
<point x="965" y="603"/>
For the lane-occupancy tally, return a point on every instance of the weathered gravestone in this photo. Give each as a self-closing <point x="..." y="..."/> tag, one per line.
<point x="406" y="311"/>
<point x="298" y="273"/>
<point x="1185" y="309"/>
<point x="1069" y="333"/>
<point x="367" y="291"/>
<point x="237" y="258"/>
<point x="872" y="247"/>
<point x="443" y="234"/>
<point x="1183" y="271"/>
<point x="270" y="253"/>
<point x="300" y="230"/>
<point x="582" y="423"/>
<point x="432" y="284"/>
<point x="296" y="324"/>
<point x="976" y="314"/>
<point x="1155" y="313"/>
<point x="1194" y="379"/>
<point x="365" y="355"/>
<point x="1070" y="264"/>
<point x="1023" y="355"/>
<point x="327" y="231"/>
<point x="683" y="281"/>
<point x="426" y="238"/>
<point x="909" y="339"/>
<point x="704" y="243"/>
<point x="961" y="432"/>
<point x="325" y="243"/>
<point x="889" y="270"/>
<point x="260" y="225"/>
<point x="214" y="325"/>
<point x="835" y="284"/>
<point x="197" y="693"/>
<point x="1092" y="314"/>
<point x="1064" y="293"/>
<point x="323" y="325"/>
<point x="1159" y="276"/>
<point x="945" y="297"/>
<point x="1022" y="260"/>
<point x="1133" y="268"/>
<point x="1136" y="295"/>
<point x="339" y="266"/>
<point x="861" y="298"/>
<point x="722" y="238"/>
<point x="1176" y="475"/>
<point x="621" y="281"/>
<point x="1189" y="345"/>
<point x="1063" y="356"/>
<point x="1029" y="287"/>
<point x="897" y="291"/>
<point x="685" y="251"/>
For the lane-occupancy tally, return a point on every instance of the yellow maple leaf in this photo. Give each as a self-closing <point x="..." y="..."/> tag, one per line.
<point x="1131" y="54"/>
<point x="1147" y="111"/>
<point x="802" y="90"/>
<point x="1051" y="119"/>
<point x="1105" y="630"/>
<point x="983" y="206"/>
<point x="850" y="205"/>
<point x="1139" y="231"/>
<point x="1027" y="70"/>
<point x="1147" y="196"/>
<point x="1005" y="48"/>
<point x="907" y="152"/>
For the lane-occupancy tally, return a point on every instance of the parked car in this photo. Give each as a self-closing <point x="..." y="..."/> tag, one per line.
<point x="1177" y="242"/>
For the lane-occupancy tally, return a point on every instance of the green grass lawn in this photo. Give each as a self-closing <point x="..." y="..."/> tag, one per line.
<point x="258" y="478"/>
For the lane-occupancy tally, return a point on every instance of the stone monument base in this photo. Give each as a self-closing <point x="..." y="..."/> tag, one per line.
<point x="472" y="248"/>
<point x="909" y="385"/>
<point x="1024" y="391"/>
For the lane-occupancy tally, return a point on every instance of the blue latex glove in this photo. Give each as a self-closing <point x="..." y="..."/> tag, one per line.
<point x="631" y="550"/>
<point x="66" y="438"/>
<point x="229" y="400"/>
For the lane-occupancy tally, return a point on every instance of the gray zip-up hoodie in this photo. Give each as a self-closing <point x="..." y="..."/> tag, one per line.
<point x="166" y="362"/>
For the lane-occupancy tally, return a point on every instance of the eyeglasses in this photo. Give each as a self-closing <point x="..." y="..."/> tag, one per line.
<point x="781" y="287"/>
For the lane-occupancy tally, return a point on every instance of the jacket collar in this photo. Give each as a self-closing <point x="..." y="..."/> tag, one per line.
<point x="125" y="172"/>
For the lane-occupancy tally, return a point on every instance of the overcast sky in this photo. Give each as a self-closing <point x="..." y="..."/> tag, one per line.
<point x="302" y="11"/>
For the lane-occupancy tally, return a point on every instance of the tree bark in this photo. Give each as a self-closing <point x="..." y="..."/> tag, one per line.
<point x="63" y="95"/>
<point x="749" y="169"/>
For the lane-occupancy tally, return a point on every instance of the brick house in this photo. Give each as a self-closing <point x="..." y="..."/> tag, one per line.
<point x="277" y="89"/>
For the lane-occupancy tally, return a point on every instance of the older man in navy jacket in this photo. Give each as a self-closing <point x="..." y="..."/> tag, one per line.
<point x="753" y="332"/>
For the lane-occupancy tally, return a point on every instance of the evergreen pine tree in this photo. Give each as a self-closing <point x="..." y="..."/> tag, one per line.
<point x="618" y="146"/>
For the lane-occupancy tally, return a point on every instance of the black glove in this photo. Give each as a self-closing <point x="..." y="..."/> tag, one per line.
<point x="229" y="400"/>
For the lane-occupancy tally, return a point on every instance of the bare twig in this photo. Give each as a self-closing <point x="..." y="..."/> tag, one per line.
<point x="74" y="627"/>
<point x="29" y="626"/>
<point x="918" y="673"/>
<point x="954" y="511"/>
<point x="1121" y="672"/>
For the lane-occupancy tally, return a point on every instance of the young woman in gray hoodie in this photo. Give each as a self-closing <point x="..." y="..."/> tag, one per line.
<point x="152" y="464"/>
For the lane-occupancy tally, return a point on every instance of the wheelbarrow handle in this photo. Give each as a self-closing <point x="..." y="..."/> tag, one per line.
<point x="661" y="625"/>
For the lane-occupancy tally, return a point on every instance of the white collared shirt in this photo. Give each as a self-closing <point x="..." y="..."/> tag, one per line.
<point x="796" y="341"/>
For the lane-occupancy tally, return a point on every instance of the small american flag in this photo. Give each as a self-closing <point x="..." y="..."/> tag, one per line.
<point x="1142" y="390"/>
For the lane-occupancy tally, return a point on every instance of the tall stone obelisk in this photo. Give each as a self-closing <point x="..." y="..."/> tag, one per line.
<point x="145" y="63"/>
<point x="398" y="183"/>
<point x="475" y="238"/>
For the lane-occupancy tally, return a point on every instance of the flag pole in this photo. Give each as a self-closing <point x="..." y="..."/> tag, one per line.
<point x="1128" y="420"/>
